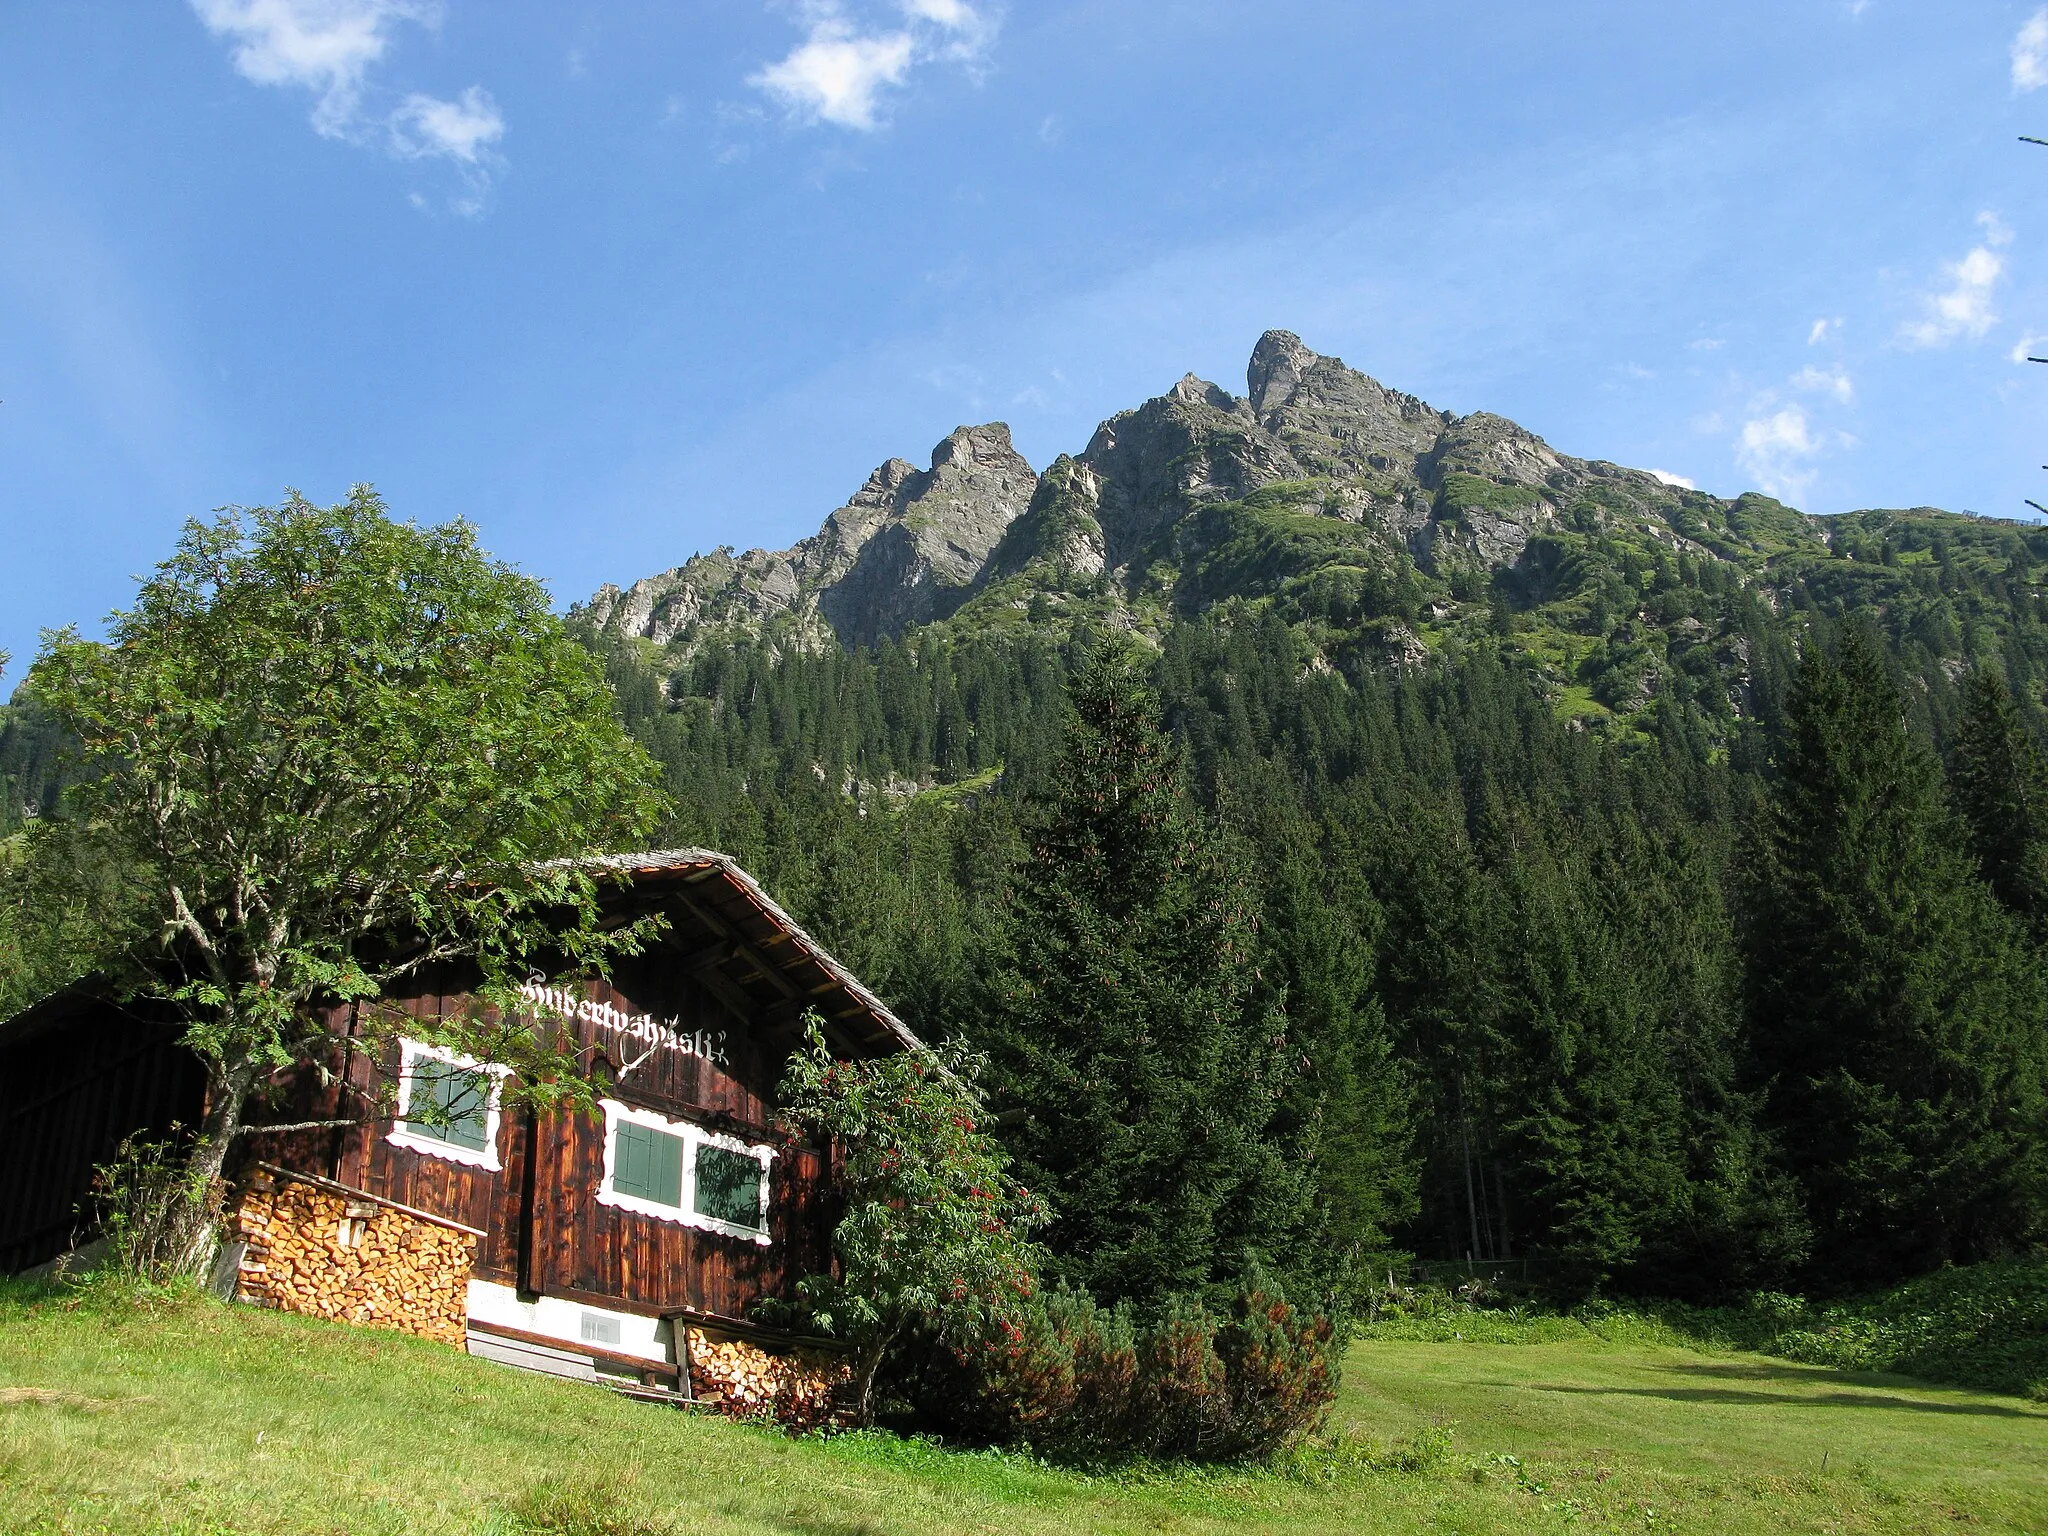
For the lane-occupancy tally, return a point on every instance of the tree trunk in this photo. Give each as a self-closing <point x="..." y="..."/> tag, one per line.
<point x="195" y="1228"/>
<point x="870" y="1361"/>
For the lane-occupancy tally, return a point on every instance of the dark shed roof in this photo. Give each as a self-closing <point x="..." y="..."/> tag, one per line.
<point x="750" y="952"/>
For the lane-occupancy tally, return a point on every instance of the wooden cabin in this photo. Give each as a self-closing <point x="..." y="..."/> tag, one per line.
<point x="587" y="1244"/>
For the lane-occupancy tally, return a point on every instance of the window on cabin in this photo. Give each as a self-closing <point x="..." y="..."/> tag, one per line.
<point x="647" y="1164"/>
<point x="677" y="1171"/>
<point x="728" y="1186"/>
<point x="450" y="1103"/>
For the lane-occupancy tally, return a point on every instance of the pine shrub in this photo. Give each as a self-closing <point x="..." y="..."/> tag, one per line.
<point x="1082" y="1383"/>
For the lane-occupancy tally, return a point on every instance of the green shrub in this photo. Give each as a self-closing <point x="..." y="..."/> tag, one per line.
<point x="1280" y="1369"/>
<point x="155" y="1208"/>
<point x="1982" y="1326"/>
<point x="1080" y="1383"/>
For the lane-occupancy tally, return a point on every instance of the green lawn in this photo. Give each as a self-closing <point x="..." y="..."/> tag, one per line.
<point x="200" y="1418"/>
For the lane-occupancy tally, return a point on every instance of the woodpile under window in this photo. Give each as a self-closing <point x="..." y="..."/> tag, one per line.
<point x="746" y="1381"/>
<point x="325" y="1254"/>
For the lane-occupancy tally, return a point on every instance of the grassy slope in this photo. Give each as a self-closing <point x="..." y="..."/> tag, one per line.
<point x="198" y="1418"/>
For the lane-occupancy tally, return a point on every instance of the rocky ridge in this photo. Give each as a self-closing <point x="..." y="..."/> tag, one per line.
<point x="902" y="551"/>
<point x="1379" y="526"/>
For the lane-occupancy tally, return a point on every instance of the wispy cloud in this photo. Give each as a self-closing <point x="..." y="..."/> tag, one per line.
<point x="1822" y="330"/>
<point x="836" y="77"/>
<point x="462" y="131"/>
<point x="1778" y="449"/>
<point x="1665" y="477"/>
<point x="846" y="65"/>
<point x="1829" y="381"/>
<point x="328" y="47"/>
<point x="2030" y="53"/>
<point x="1963" y="308"/>
<point x="323" y="45"/>
<point x="425" y="127"/>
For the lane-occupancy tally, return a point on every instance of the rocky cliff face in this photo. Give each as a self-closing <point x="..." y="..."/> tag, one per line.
<point x="905" y="549"/>
<point x="1193" y="497"/>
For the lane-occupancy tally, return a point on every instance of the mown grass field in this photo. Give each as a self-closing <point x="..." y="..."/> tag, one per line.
<point x="201" y="1419"/>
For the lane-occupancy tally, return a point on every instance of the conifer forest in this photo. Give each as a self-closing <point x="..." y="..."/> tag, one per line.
<point x="1704" y="1002"/>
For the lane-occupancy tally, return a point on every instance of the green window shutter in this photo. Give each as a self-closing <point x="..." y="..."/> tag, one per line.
<point x="456" y="1101"/>
<point x="729" y="1186"/>
<point x="647" y="1164"/>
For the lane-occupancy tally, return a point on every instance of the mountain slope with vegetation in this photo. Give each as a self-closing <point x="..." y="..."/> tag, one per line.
<point x="1381" y="530"/>
<point x="1497" y="743"/>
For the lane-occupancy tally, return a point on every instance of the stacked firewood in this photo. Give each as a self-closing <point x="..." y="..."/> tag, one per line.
<point x="746" y="1381"/>
<point x="319" y="1252"/>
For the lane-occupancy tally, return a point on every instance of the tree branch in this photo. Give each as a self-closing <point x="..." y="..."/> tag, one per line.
<point x="306" y="1125"/>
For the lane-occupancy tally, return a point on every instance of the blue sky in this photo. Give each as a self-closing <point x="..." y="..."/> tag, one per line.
<point x="624" y="281"/>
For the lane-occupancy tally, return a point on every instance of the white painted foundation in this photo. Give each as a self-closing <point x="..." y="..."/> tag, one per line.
<point x="643" y="1338"/>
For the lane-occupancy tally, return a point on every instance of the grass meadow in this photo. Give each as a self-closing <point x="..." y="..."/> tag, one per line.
<point x="192" y="1417"/>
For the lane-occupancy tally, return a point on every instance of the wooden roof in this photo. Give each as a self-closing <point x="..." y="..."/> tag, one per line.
<point x="749" y="953"/>
<point x="725" y="931"/>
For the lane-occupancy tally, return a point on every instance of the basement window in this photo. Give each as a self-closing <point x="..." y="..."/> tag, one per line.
<point x="675" y="1171"/>
<point x="448" y="1105"/>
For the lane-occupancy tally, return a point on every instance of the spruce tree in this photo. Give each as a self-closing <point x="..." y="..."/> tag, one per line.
<point x="1997" y="777"/>
<point x="1350" y="1110"/>
<point x="1588" y="1103"/>
<point x="1141" y="1058"/>
<point x="1896" y="1024"/>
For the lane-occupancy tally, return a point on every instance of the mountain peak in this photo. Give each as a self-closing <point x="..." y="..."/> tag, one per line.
<point x="1193" y="497"/>
<point x="1277" y="365"/>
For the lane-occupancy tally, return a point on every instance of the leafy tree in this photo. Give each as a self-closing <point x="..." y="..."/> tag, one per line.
<point x="936" y="1232"/>
<point x="2001" y="788"/>
<point x="335" y="749"/>
<point x="1141" y="1056"/>
<point x="1896" y="1021"/>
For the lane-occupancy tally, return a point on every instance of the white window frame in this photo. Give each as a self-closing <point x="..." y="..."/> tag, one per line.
<point x="411" y="1054"/>
<point x="693" y="1136"/>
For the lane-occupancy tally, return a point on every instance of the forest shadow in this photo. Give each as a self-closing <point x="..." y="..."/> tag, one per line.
<point x="1791" y="1375"/>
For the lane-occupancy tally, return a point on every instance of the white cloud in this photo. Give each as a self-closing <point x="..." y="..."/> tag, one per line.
<point x="1827" y="381"/>
<point x="1822" y="329"/>
<point x="1707" y="344"/>
<point x="1964" y="307"/>
<point x="1776" y="449"/>
<point x="323" y="45"/>
<point x="835" y="76"/>
<point x="328" y="46"/>
<point x="842" y="70"/>
<point x="425" y="126"/>
<point x="2028" y="346"/>
<point x="1665" y="477"/>
<point x="2030" y="53"/>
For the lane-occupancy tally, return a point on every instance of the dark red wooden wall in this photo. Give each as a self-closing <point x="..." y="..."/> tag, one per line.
<point x="546" y="1232"/>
